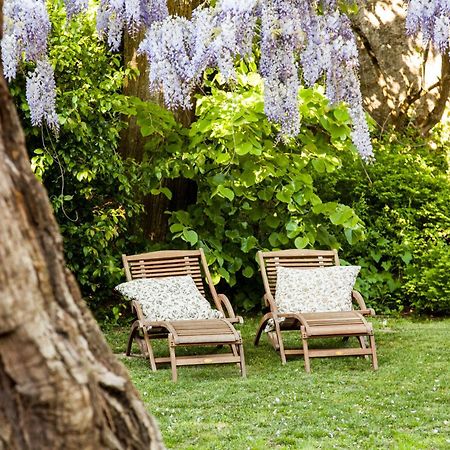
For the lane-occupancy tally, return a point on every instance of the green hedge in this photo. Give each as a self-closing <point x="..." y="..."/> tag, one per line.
<point x="403" y="199"/>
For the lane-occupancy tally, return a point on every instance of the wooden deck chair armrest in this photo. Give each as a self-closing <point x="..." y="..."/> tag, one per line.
<point x="363" y="309"/>
<point x="148" y="324"/>
<point x="366" y="312"/>
<point x="237" y="319"/>
<point x="270" y="302"/>
<point x="228" y="309"/>
<point x="136" y="307"/>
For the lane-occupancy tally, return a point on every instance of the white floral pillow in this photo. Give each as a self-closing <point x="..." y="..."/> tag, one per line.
<point x="315" y="290"/>
<point x="170" y="298"/>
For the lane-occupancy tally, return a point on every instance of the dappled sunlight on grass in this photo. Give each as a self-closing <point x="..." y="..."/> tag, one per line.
<point x="341" y="404"/>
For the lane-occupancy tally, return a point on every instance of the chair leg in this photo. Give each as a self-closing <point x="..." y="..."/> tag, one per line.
<point x="173" y="359"/>
<point x="305" y="350"/>
<point x="362" y="344"/>
<point x="280" y="342"/>
<point x="133" y="331"/>
<point x="242" y="363"/>
<point x="374" y="352"/>
<point x="151" y="356"/>
<point x="262" y="325"/>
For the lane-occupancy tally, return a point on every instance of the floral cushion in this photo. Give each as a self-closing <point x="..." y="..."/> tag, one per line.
<point x="315" y="290"/>
<point x="170" y="298"/>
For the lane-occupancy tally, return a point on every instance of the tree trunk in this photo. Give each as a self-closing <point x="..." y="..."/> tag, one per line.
<point x="401" y="82"/>
<point x="184" y="191"/>
<point x="60" y="384"/>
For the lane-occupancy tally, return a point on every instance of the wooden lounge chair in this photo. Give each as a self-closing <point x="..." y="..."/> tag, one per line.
<point x="312" y="325"/>
<point x="209" y="332"/>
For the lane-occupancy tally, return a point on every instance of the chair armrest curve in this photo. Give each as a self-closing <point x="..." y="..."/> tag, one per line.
<point x="356" y="296"/>
<point x="228" y="308"/>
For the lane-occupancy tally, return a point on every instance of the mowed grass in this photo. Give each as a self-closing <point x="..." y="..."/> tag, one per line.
<point x="341" y="404"/>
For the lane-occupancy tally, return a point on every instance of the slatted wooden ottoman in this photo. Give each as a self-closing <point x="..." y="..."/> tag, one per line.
<point x="211" y="332"/>
<point x="331" y="324"/>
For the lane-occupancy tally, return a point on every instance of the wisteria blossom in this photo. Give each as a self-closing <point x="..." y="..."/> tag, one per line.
<point x="331" y="52"/>
<point x="41" y="95"/>
<point x="302" y="41"/>
<point x="25" y="32"/>
<point x="116" y="16"/>
<point x="432" y="19"/>
<point x="294" y="35"/>
<point x="74" y="7"/>
<point x="180" y="50"/>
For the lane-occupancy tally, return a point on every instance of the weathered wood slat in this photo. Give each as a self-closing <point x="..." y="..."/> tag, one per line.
<point x="322" y="353"/>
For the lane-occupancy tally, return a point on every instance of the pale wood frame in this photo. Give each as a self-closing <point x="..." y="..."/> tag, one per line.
<point x="312" y="325"/>
<point x="210" y="332"/>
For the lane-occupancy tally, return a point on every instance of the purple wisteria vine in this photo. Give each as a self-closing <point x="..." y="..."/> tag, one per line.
<point x="432" y="19"/>
<point x="301" y="41"/>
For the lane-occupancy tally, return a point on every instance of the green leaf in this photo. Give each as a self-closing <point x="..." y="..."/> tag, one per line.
<point x="341" y="115"/>
<point x="273" y="239"/>
<point x="284" y="196"/>
<point x="406" y="257"/>
<point x="244" y="148"/>
<point x="225" y="192"/>
<point x="190" y="236"/>
<point x="301" y="242"/>
<point x="272" y="221"/>
<point x="176" y="227"/>
<point x="248" y="272"/>
<point x="224" y="274"/>
<point x="248" y="244"/>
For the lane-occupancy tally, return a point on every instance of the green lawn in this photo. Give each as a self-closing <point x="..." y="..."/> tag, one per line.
<point x="342" y="404"/>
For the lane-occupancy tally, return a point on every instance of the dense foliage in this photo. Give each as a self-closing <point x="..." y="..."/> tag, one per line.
<point x="403" y="201"/>
<point x="95" y="194"/>
<point x="314" y="35"/>
<point x="254" y="190"/>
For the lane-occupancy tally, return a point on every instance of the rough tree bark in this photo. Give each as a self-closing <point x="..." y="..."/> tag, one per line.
<point x="184" y="191"/>
<point x="60" y="384"/>
<point x="400" y="81"/>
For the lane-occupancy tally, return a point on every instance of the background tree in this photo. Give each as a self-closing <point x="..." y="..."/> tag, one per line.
<point x="61" y="386"/>
<point x="155" y="221"/>
<point x="401" y="80"/>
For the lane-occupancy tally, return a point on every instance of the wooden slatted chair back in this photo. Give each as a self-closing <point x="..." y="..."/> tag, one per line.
<point x="299" y="259"/>
<point x="168" y="263"/>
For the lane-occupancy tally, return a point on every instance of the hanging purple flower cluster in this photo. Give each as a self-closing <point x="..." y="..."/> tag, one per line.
<point x="432" y="19"/>
<point x="281" y="38"/>
<point x="294" y="34"/>
<point x="74" y="7"/>
<point x="25" y="32"/>
<point x="115" y="16"/>
<point x="41" y="95"/>
<point x="180" y="50"/>
<point x="331" y="51"/>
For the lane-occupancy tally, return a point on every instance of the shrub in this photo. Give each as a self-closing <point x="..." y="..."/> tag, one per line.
<point x="403" y="200"/>
<point x="255" y="190"/>
<point x="95" y="194"/>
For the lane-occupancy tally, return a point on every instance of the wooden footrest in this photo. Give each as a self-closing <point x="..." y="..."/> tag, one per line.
<point x="200" y="359"/>
<point x="211" y="331"/>
<point x="346" y="323"/>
